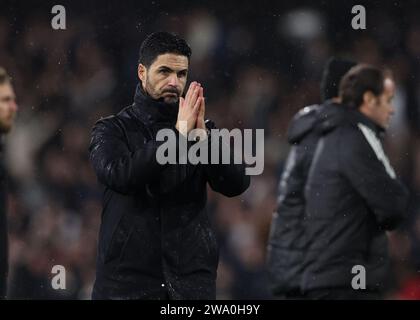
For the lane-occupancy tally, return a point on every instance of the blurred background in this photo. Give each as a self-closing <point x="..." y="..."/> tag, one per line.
<point x="259" y="62"/>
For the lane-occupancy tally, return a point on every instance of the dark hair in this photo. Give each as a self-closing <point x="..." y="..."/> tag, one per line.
<point x="334" y="70"/>
<point x="4" y="77"/>
<point x="159" y="43"/>
<point x="357" y="81"/>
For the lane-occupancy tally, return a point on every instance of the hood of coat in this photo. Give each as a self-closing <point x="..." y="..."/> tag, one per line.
<point x="302" y="123"/>
<point x="321" y="118"/>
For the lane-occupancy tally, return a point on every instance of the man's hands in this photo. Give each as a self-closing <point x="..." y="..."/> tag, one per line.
<point x="200" y="118"/>
<point x="191" y="110"/>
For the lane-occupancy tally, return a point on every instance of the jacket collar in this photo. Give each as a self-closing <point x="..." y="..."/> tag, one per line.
<point x="152" y="110"/>
<point x="361" y="118"/>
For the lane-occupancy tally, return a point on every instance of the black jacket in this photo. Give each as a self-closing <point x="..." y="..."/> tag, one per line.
<point x="3" y="228"/>
<point x="155" y="238"/>
<point x="352" y="198"/>
<point x="287" y="244"/>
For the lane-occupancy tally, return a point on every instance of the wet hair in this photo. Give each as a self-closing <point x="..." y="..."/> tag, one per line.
<point x="334" y="70"/>
<point x="159" y="43"/>
<point x="359" y="80"/>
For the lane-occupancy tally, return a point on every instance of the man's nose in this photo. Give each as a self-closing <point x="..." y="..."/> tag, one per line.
<point x="173" y="80"/>
<point x="392" y="109"/>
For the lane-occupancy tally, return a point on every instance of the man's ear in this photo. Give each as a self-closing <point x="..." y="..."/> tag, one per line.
<point x="369" y="98"/>
<point x="141" y="72"/>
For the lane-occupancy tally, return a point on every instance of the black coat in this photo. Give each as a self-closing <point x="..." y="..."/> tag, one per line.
<point x="352" y="198"/>
<point x="287" y="243"/>
<point x="155" y="238"/>
<point x="3" y="229"/>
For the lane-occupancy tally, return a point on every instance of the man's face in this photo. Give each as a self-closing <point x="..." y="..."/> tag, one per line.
<point x="380" y="109"/>
<point x="166" y="77"/>
<point x="384" y="109"/>
<point x="8" y="107"/>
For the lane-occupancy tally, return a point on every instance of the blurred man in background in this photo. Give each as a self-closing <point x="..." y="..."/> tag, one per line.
<point x="8" y="108"/>
<point x="353" y="195"/>
<point x="287" y="244"/>
<point x="156" y="241"/>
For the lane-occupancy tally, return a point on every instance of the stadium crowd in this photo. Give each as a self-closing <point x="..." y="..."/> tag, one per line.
<point x="258" y="68"/>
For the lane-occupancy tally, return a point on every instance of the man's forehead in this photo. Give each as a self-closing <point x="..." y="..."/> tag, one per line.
<point x="171" y="60"/>
<point x="389" y="84"/>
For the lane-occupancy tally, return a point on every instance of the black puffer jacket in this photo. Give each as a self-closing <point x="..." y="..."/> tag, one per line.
<point x="352" y="198"/>
<point x="155" y="239"/>
<point x="287" y="242"/>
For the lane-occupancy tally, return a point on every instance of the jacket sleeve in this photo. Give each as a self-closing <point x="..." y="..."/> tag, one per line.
<point x="227" y="179"/>
<point x="364" y="163"/>
<point x="115" y="165"/>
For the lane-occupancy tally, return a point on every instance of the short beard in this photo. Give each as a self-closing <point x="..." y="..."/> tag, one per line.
<point x="171" y="101"/>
